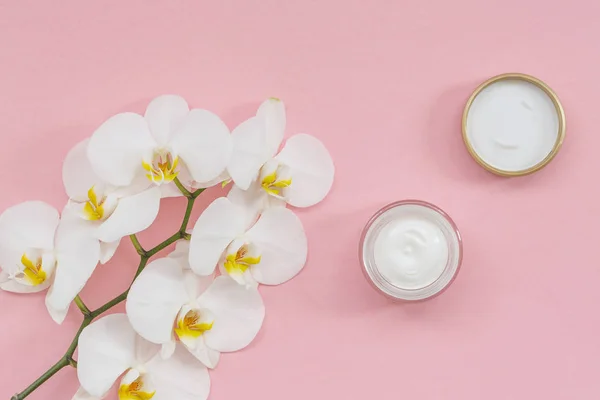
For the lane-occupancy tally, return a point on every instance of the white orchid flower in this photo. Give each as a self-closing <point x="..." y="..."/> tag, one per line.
<point x="81" y="394"/>
<point x="301" y="174"/>
<point x="170" y="139"/>
<point x="168" y="302"/>
<point x="108" y="212"/>
<point x="38" y="250"/>
<point x="110" y="349"/>
<point x="270" y="252"/>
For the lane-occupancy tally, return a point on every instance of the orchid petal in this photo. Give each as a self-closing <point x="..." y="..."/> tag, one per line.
<point x="145" y="350"/>
<point x="311" y="168"/>
<point x="244" y="279"/>
<point x="216" y="227"/>
<point x="27" y="230"/>
<point x="164" y="115"/>
<point x="58" y="315"/>
<point x="184" y="177"/>
<point x="106" y="350"/>
<point x="204" y="144"/>
<point x="118" y="146"/>
<point x="107" y="250"/>
<point x="27" y="225"/>
<point x="155" y="298"/>
<point x="77" y="256"/>
<point x="81" y="394"/>
<point x="132" y="215"/>
<point x="273" y="112"/>
<point x="10" y="285"/>
<point x="9" y="264"/>
<point x="194" y="284"/>
<point x="239" y="314"/>
<point x="169" y="190"/>
<point x="181" y="254"/>
<point x="167" y="349"/>
<point x="282" y="243"/>
<point x="179" y="377"/>
<point x="254" y="201"/>
<point x="249" y="153"/>
<point x="139" y="184"/>
<point x="78" y="174"/>
<point x="71" y="216"/>
<point x="223" y="177"/>
<point x="207" y="356"/>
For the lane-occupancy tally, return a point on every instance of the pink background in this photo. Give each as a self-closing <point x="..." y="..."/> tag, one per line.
<point x="383" y="84"/>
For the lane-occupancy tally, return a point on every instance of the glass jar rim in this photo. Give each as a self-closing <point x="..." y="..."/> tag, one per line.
<point x="385" y="287"/>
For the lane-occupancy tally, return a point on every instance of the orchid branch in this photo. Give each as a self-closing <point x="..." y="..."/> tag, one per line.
<point x="137" y="245"/>
<point x="182" y="188"/>
<point x="81" y="305"/>
<point x="89" y="316"/>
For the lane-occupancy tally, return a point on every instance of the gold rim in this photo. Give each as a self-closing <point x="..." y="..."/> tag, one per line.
<point x="559" y="111"/>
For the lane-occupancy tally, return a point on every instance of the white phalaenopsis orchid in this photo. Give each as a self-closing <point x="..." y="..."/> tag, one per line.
<point x="37" y="250"/>
<point x="110" y="349"/>
<point x="301" y="174"/>
<point x="179" y="316"/>
<point x="130" y="149"/>
<point x="106" y="212"/>
<point x="168" y="302"/>
<point x="271" y="251"/>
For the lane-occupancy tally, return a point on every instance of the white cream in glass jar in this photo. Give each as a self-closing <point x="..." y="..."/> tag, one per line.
<point x="410" y="250"/>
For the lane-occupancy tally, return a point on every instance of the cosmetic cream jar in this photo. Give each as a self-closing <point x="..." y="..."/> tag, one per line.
<point x="513" y="124"/>
<point x="410" y="250"/>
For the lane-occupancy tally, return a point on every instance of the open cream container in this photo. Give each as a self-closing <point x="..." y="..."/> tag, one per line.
<point x="410" y="250"/>
<point x="513" y="124"/>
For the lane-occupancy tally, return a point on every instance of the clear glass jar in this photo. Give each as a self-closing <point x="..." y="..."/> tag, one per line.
<point x="428" y="212"/>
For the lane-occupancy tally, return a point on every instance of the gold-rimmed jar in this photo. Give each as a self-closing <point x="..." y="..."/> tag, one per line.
<point x="513" y="124"/>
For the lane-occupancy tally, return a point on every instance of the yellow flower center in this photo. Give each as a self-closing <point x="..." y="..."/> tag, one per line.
<point x="163" y="168"/>
<point x="135" y="391"/>
<point x="273" y="185"/>
<point x="192" y="326"/>
<point x="34" y="274"/>
<point x="240" y="261"/>
<point x="93" y="210"/>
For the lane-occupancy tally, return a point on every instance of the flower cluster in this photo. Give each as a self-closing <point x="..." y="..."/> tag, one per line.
<point x="185" y="309"/>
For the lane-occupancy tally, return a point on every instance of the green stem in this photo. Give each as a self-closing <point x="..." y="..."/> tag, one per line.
<point x="137" y="245"/>
<point x="182" y="188"/>
<point x="198" y="192"/>
<point x="81" y="305"/>
<point x="71" y="350"/>
<point x="186" y="217"/>
<point x="63" y="362"/>
<point x="89" y="316"/>
<point x="175" y="237"/>
<point x="117" y="300"/>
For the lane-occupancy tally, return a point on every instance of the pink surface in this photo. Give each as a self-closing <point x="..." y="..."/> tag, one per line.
<point x="383" y="84"/>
